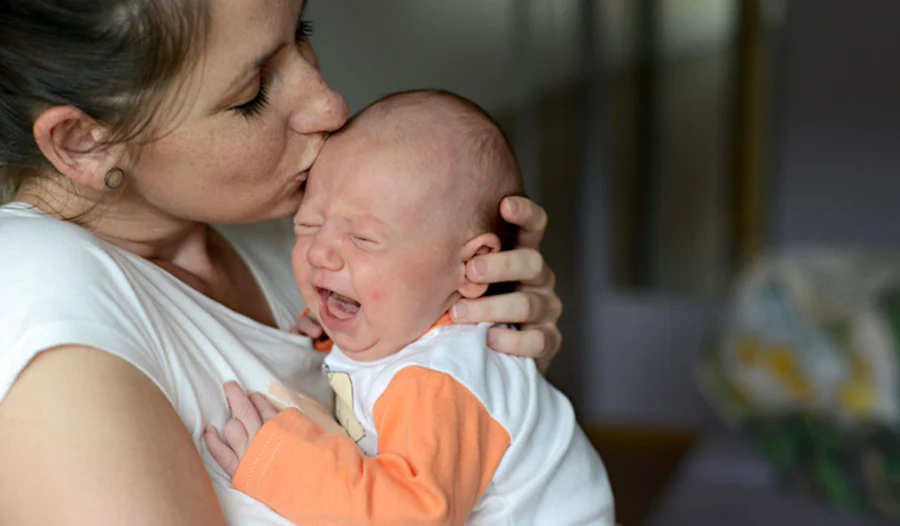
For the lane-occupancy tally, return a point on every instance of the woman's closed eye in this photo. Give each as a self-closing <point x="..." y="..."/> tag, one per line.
<point x="255" y="106"/>
<point x="304" y="30"/>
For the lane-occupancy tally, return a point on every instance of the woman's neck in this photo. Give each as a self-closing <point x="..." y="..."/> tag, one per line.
<point x="191" y="251"/>
<point x="128" y="223"/>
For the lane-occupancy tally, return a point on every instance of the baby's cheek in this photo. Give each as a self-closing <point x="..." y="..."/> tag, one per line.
<point x="377" y="294"/>
<point x="298" y="257"/>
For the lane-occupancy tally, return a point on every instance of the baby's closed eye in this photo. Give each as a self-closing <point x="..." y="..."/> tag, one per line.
<point x="306" y="227"/>
<point x="358" y="239"/>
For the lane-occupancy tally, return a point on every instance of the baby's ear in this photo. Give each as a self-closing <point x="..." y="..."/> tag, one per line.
<point x="477" y="246"/>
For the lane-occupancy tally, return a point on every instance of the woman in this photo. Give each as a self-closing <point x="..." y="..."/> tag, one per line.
<point x="126" y="128"/>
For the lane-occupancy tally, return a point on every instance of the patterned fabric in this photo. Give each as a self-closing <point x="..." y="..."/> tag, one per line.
<point x="808" y="366"/>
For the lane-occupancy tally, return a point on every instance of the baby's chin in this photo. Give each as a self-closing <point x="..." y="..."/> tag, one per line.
<point x="368" y="345"/>
<point x="362" y="349"/>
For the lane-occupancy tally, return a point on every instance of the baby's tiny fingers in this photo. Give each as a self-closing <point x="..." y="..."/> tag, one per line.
<point x="242" y="408"/>
<point x="264" y="406"/>
<point x="220" y="451"/>
<point x="236" y="436"/>
<point x="308" y="327"/>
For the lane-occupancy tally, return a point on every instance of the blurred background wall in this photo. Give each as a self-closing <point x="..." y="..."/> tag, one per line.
<point x="836" y="177"/>
<point x="671" y="141"/>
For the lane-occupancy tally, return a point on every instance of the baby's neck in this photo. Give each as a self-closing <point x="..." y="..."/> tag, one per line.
<point x="443" y="320"/>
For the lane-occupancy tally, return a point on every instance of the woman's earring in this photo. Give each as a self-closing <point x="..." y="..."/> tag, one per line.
<point x="114" y="178"/>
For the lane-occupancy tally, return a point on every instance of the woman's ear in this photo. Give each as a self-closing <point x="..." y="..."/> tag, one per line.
<point x="68" y="138"/>
<point x="477" y="246"/>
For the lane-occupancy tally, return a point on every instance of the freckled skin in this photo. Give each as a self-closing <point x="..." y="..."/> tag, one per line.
<point x="220" y="166"/>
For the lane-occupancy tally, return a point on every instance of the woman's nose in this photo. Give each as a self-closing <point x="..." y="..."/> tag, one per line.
<point x="323" y="255"/>
<point x="318" y="108"/>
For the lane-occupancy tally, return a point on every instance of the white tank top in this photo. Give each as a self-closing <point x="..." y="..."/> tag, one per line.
<point x="59" y="284"/>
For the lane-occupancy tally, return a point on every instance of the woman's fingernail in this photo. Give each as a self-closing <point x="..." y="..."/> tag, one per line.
<point x="460" y="311"/>
<point x="479" y="267"/>
<point x="492" y="339"/>
<point x="513" y="205"/>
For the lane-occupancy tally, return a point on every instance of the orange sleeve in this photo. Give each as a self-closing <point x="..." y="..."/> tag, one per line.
<point x="438" y="449"/>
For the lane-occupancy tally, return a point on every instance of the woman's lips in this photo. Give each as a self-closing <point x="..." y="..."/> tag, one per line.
<point x="301" y="178"/>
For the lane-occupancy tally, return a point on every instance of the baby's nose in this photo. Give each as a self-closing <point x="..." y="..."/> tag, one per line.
<point x="324" y="256"/>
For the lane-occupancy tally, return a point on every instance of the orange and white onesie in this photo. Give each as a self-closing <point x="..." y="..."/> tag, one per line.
<point x="450" y="433"/>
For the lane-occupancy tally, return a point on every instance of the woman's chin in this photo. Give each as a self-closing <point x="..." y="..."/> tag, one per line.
<point x="277" y="209"/>
<point x="287" y="207"/>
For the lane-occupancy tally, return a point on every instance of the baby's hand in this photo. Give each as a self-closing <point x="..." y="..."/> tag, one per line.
<point x="249" y="415"/>
<point x="307" y="325"/>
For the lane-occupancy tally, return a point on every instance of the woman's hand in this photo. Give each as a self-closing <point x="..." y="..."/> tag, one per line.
<point x="534" y="304"/>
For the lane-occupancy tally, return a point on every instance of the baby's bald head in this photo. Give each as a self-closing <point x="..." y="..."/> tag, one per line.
<point x="463" y="156"/>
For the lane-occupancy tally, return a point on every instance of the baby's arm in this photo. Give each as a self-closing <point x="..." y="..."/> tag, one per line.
<point x="438" y="448"/>
<point x="249" y="415"/>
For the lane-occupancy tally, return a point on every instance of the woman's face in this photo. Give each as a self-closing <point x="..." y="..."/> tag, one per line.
<point x="257" y="114"/>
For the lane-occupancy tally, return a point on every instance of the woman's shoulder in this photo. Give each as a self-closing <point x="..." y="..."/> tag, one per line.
<point x="34" y="244"/>
<point x="57" y="279"/>
<point x="61" y="285"/>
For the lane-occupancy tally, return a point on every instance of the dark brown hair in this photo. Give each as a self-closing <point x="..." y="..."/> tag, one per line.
<point x="115" y="60"/>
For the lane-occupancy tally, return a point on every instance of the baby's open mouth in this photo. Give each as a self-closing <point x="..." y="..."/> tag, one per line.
<point x="338" y="305"/>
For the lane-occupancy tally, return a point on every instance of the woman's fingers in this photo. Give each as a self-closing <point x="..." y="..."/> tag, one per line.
<point x="538" y="312"/>
<point x="534" y="305"/>
<point x="220" y="451"/>
<point x="540" y="342"/>
<point x="525" y="265"/>
<point x="528" y="216"/>
<point x="524" y="306"/>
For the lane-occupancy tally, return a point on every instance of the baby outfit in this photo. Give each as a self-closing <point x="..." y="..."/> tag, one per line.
<point x="452" y="432"/>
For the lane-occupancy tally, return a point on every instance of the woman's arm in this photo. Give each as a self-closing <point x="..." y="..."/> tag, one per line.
<point x="534" y="304"/>
<point x="87" y="439"/>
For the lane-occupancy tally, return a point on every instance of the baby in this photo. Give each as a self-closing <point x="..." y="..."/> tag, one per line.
<point x="442" y="430"/>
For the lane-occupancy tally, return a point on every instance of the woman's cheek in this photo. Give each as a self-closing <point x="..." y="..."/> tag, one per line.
<point x="259" y="148"/>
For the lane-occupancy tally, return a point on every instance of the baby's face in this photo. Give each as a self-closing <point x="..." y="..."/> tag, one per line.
<point x="375" y="258"/>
